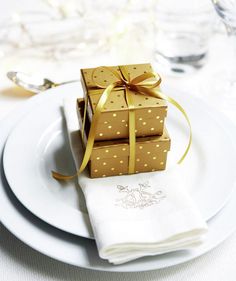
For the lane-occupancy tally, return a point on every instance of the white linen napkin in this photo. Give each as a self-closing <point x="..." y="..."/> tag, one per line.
<point x="136" y="215"/>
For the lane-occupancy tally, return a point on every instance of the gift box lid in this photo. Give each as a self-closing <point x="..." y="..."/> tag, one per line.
<point x="116" y="101"/>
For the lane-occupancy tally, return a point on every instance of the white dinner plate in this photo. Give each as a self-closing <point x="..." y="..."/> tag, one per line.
<point x="80" y="251"/>
<point x="39" y="144"/>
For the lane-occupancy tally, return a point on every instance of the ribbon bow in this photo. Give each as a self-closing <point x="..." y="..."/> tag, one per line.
<point x="135" y="85"/>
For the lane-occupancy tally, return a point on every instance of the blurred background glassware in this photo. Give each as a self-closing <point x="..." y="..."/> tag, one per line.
<point x="182" y="34"/>
<point x="51" y="37"/>
<point x="226" y="84"/>
<point x="69" y="29"/>
<point x="64" y="35"/>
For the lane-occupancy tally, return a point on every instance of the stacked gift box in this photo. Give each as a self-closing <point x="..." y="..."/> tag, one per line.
<point x="111" y="149"/>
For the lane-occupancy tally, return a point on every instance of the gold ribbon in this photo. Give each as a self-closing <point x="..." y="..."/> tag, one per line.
<point x="136" y="85"/>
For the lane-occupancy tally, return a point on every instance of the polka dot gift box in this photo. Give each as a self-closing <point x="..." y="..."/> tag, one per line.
<point x="122" y="120"/>
<point x="113" y="122"/>
<point x="111" y="157"/>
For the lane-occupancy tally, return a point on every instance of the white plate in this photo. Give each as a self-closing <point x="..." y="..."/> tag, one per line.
<point x="38" y="144"/>
<point x="80" y="251"/>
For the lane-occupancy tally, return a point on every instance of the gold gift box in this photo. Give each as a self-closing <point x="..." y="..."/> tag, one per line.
<point x="111" y="158"/>
<point x="150" y="112"/>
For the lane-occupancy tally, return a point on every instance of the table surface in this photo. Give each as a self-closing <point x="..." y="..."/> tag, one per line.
<point x="19" y="262"/>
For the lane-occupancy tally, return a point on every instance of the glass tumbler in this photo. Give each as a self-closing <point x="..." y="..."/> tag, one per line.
<point x="183" y="29"/>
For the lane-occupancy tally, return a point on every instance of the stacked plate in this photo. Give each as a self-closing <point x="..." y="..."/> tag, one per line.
<point x="51" y="216"/>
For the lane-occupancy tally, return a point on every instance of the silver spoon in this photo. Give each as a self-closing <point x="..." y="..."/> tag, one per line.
<point x="33" y="83"/>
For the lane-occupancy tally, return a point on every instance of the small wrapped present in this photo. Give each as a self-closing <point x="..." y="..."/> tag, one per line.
<point x="110" y="158"/>
<point x="113" y="123"/>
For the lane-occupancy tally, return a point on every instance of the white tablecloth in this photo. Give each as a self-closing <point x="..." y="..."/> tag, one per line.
<point x="19" y="262"/>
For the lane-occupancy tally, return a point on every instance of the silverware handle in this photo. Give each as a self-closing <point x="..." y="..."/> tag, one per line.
<point x="66" y="82"/>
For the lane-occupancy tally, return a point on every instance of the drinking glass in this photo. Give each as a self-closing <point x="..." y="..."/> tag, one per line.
<point x="226" y="9"/>
<point x="183" y="30"/>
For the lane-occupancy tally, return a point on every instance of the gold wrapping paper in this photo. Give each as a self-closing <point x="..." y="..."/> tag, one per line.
<point x="113" y="123"/>
<point x="110" y="158"/>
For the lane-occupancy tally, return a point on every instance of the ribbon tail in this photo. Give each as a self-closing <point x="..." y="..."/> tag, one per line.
<point x="91" y="136"/>
<point x="180" y="108"/>
<point x="157" y="94"/>
<point x="59" y="176"/>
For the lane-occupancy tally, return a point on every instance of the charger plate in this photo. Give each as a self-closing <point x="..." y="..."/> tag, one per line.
<point x="39" y="144"/>
<point x="82" y="252"/>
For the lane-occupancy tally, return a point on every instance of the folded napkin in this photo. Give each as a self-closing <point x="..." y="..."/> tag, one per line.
<point x="138" y="215"/>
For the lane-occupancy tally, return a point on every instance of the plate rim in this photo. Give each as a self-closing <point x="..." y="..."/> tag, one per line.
<point x="85" y="229"/>
<point x="24" y="238"/>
